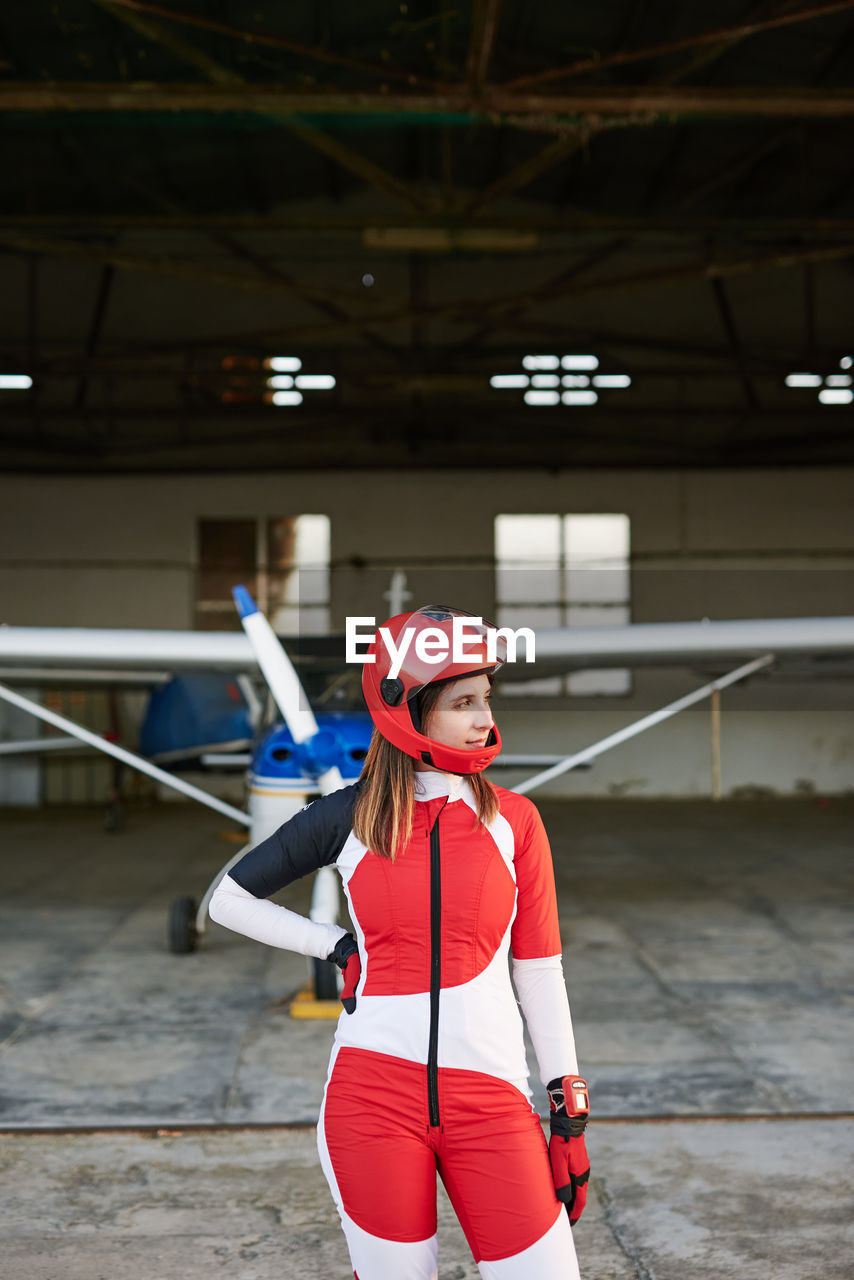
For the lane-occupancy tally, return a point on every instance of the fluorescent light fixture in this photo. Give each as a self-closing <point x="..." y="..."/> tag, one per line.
<point x="280" y="381"/>
<point x="803" y="379"/>
<point x="509" y="380"/>
<point x="542" y="397"/>
<point x="846" y="362"/>
<point x="579" y="397"/>
<point x="287" y="397"/>
<point x="836" y="397"/>
<point x="575" y="380"/>
<point x="447" y="239"/>
<point x="540" y="362"/>
<point x="838" y="380"/>
<point x="612" y="380"/>
<point x="15" y="381"/>
<point x="284" y="364"/>
<point x="315" y="381"/>
<point x="545" y="380"/>
<point x="580" y="362"/>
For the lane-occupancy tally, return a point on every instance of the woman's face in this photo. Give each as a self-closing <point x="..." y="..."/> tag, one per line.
<point x="461" y="716"/>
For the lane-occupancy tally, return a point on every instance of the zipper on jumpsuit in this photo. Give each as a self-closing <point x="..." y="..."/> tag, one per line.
<point x="435" y="971"/>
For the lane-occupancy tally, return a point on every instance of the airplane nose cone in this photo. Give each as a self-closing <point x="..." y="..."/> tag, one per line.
<point x="319" y="752"/>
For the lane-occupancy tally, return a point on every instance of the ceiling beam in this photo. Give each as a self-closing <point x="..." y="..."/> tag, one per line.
<point x="332" y="148"/>
<point x="570" y="139"/>
<point x="709" y="53"/>
<point x="328" y="306"/>
<point x="243" y="253"/>
<point x="170" y="359"/>
<point x="736" y="167"/>
<point x="381" y="72"/>
<point x="270" y="281"/>
<point x="590" y="260"/>
<point x="532" y="168"/>
<point x="462" y="310"/>
<point x="375" y="450"/>
<point x="721" y="35"/>
<point x="495" y="106"/>
<point x="158" y="34"/>
<point x="574" y="222"/>
<point x="474" y="418"/>
<point x="483" y="30"/>
<point x="746" y="161"/>
<point x="564" y="146"/>
<point x="563" y="436"/>
<point x="658" y="278"/>
<point x="95" y="328"/>
<point x="728" y="321"/>
<point x="357" y="163"/>
<point x="479" y="308"/>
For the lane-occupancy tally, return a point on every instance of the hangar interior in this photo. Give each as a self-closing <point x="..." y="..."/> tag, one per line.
<point x="613" y="282"/>
<point x="547" y="308"/>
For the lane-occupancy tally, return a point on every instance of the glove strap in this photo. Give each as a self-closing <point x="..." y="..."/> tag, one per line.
<point x="569" y="1106"/>
<point x="344" y="948"/>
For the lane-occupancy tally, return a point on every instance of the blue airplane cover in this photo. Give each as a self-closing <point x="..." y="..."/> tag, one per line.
<point x="193" y="711"/>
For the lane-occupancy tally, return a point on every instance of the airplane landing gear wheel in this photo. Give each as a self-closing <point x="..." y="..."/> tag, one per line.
<point x="325" y="980"/>
<point x="182" y="926"/>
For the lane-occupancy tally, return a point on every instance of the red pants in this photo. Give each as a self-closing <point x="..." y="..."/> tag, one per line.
<point x="380" y="1156"/>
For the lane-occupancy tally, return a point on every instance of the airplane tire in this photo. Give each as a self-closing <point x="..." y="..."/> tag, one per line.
<point x="325" y="980"/>
<point x="182" y="926"/>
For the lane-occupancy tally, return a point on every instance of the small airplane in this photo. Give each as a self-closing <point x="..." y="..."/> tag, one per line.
<point x="301" y="756"/>
<point x="308" y="754"/>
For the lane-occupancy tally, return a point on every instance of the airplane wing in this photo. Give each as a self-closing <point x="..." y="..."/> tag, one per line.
<point x="142" y="656"/>
<point x="124" y="653"/>
<point x="692" y="644"/>
<point x="44" y="654"/>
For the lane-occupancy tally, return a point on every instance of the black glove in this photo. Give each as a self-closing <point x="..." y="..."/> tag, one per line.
<point x="345" y="954"/>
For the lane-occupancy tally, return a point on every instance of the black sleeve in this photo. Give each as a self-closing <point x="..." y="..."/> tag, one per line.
<point x="313" y="838"/>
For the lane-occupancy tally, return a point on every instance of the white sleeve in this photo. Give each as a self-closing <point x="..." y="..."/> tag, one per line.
<point x="542" y="995"/>
<point x="265" y="921"/>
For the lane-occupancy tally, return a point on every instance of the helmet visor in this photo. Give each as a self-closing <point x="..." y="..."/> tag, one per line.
<point x="438" y="643"/>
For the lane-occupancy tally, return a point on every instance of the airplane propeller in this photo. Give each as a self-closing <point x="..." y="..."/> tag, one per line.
<point x="313" y="745"/>
<point x="313" y="748"/>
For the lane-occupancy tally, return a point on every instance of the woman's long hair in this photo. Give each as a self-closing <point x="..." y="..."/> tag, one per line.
<point x="384" y="810"/>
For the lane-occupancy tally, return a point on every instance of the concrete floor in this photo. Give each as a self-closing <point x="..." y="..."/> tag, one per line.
<point x="709" y="958"/>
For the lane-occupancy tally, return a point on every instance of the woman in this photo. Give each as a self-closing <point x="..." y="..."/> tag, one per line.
<point x="444" y="873"/>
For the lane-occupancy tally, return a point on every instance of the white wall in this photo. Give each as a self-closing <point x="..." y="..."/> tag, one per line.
<point x="120" y="551"/>
<point x="787" y="752"/>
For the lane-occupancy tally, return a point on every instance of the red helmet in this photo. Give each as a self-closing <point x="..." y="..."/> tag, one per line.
<point x="391" y="684"/>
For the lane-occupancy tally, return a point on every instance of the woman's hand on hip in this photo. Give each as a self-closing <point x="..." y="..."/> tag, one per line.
<point x="345" y="954"/>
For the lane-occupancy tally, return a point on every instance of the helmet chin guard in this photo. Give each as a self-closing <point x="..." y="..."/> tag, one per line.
<point x="427" y="633"/>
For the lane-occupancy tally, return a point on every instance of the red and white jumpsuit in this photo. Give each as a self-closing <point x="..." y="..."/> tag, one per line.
<point x="429" y="1072"/>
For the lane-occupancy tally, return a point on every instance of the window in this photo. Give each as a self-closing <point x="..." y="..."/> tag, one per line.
<point x="282" y="560"/>
<point x="564" y="571"/>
